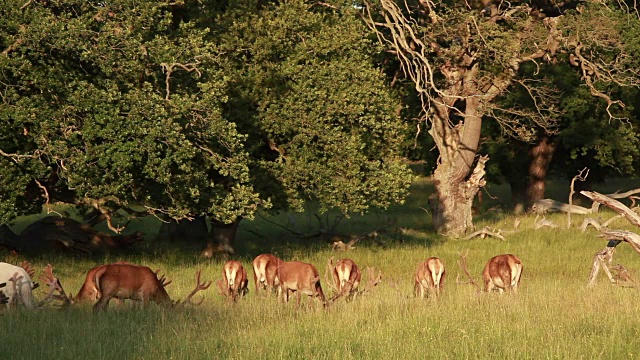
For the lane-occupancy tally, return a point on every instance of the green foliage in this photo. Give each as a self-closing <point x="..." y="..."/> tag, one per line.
<point x="152" y="104"/>
<point x="304" y="81"/>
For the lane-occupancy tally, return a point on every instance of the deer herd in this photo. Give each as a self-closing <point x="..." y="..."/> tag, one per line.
<point x="124" y="281"/>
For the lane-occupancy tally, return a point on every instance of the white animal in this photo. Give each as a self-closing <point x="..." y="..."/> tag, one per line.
<point x="19" y="290"/>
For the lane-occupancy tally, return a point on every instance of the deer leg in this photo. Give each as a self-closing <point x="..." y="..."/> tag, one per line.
<point x="255" y="282"/>
<point x="102" y="304"/>
<point x="489" y="286"/>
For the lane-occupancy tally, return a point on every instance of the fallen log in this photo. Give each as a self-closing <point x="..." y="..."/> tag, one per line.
<point x="545" y="205"/>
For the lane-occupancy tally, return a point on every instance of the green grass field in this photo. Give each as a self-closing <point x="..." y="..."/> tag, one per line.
<point x="554" y="315"/>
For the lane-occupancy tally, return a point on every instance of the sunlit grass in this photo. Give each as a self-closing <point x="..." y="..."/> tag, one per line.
<point x="554" y="315"/>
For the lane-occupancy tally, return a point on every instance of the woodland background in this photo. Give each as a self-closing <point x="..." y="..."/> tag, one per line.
<point x="231" y="128"/>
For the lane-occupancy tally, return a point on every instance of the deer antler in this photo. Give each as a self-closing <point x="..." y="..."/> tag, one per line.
<point x="55" y="286"/>
<point x="463" y="265"/>
<point x="374" y="280"/>
<point x="162" y="278"/>
<point x="31" y="272"/>
<point x="328" y="275"/>
<point x="14" y="280"/>
<point x="199" y="287"/>
<point x="28" y="268"/>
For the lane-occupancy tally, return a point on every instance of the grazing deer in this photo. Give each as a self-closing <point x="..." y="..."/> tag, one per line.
<point x="89" y="291"/>
<point x="265" y="267"/>
<point x="18" y="289"/>
<point x="346" y="276"/>
<point x="502" y="273"/>
<point x="234" y="281"/>
<point x="127" y="281"/>
<point x="429" y="277"/>
<point x="301" y="278"/>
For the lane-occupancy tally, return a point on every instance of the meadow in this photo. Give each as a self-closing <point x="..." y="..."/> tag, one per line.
<point x="553" y="316"/>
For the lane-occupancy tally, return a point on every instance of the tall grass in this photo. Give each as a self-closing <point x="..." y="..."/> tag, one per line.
<point x="554" y="316"/>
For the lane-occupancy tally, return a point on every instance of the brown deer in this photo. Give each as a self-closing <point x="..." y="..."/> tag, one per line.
<point x="265" y="267"/>
<point x="234" y="281"/>
<point x="127" y="281"/>
<point x="89" y="291"/>
<point x="502" y="273"/>
<point x="346" y="276"/>
<point x="301" y="278"/>
<point x="429" y="277"/>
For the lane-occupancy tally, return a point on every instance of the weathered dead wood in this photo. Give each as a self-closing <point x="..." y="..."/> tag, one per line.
<point x="52" y="233"/>
<point x="604" y="257"/>
<point x="486" y="231"/>
<point x="545" y="205"/>
<point x="544" y="223"/>
<point x="623" y="276"/>
<point x="590" y="221"/>
<point x="627" y="194"/>
<point x="596" y="224"/>
<point x="582" y="176"/>
<point x="340" y="246"/>
<point x="615" y="205"/>
<point x="601" y="259"/>
<point x="631" y="238"/>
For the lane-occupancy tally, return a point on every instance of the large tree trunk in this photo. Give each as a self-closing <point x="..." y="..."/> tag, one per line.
<point x="221" y="238"/>
<point x="540" y="157"/>
<point x="455" y="184"/>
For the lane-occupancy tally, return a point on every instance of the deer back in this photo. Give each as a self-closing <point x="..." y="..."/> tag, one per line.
<point x="265" y="267"/>
<point x="21" y="292"/>
<point x="127" y="281"/>
<point x="346" y="275"/>
<point x="235" y="275"/>
<point x="302" y="277"/>
<point x="502" y="272"/>
<point x="89" y="290"/>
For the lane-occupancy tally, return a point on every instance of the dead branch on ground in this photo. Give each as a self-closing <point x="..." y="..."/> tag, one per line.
<point x="486" y="231"/>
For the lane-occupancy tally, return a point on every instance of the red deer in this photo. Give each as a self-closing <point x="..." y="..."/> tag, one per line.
<point x="429" y="277"/>
<point x="346" y="276"/>
<point x="502" y="273"/>
<point x="89" y="290"/>
<point x="301" y="278"/>
<point x="264" y="272"/>
<point x="127" y="281"/>
<point x="234" y="281"/>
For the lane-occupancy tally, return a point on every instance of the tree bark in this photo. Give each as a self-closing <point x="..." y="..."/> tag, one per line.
<point x="221" y="238"/>
<point x="540" y="157"/>
<point x="455" y="184"/>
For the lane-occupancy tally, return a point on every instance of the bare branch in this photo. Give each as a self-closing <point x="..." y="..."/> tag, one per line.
<point x="582" y="176"/>
<point x="615" y="205"/>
